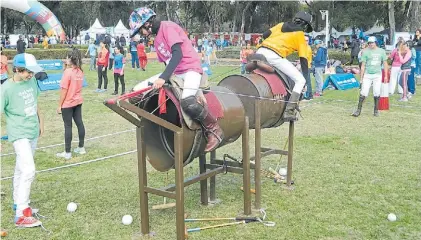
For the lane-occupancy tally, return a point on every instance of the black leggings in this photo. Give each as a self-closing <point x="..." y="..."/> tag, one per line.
<point x="110" y="64"/>
<point x="123" y="85"/>
<point x="102" y="74"/>
<point x="68" y="114"/>
<point x="352" y="59"/>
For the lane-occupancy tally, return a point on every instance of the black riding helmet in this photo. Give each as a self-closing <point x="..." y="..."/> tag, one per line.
<point x="304" y="18"/>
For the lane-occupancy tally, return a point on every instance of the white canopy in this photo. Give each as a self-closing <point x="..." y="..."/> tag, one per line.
<point x="333" y="33"/>
<point x="97" y="27"/>
<point x="121" y="29"/>
<point x="346" y="32"/>
<point x="375" y="29"/>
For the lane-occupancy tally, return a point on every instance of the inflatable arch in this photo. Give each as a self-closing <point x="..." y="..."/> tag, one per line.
<point x="39" y="13"/>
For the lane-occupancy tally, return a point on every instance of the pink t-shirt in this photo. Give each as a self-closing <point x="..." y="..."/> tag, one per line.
<point x="394" y="56"/>
<point x="169" y="34"/>
<point x="72" y="80"/>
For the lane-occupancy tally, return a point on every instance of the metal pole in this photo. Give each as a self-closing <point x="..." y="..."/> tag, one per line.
<point x="290" y="152"/>
<point x="327" y="30"/>
<point x="141" y="157"/>
<point x="246" y="168"/>
<point x="204" y="182"/>
<point x="257" y="155"/>
<point x="179" y="185"/>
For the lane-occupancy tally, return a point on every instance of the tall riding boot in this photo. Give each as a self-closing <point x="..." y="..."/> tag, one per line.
<point x="213" y="132"/>
<point x="360" y="105"/>
<point x="376" y="106"/>
<point x="290" y="114"/>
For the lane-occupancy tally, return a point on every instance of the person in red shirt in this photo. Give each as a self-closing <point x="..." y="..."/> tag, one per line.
<point x="102" y="63"/>
<point x="70" y="104"/>
<point x="143" y="58"/>
<point x="4" y="72"/>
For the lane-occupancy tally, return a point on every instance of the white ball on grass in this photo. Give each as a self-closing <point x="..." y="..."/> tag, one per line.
<point x="71" y="207"/>
<point x="282" y="171"/>
<point x="391" y="217"/>
<point x="127" y="220"/>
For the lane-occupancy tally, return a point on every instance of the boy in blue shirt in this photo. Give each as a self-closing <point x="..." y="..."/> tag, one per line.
<point x="319" y="63"/>
<point x="92" y="53"/>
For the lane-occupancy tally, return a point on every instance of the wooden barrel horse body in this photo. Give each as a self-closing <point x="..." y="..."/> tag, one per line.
<point x="236" y="95"/>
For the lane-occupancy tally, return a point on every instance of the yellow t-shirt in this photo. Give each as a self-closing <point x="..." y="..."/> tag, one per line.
<point x="309" y="56"/>
<point x="287" y="43"/>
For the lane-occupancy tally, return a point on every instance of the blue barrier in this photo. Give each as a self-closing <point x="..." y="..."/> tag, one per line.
<point x="53" y="82"/>
<point x="51" y="64"/>
<point x="341" y="81"/>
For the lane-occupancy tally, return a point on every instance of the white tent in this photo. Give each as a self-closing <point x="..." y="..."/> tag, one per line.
<point x="97" y="28"/>
<point x="346" y="32"/>
<point x="121" y="29"/>
<point x="375" y="29"/>
<point x="333" y="33"/>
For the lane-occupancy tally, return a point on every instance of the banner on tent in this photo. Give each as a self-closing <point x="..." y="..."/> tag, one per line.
<point x="51" y="64"/>
<point x="341" y="81"/>
<point x="206" y="69"/>
<point x="53" y="82"/>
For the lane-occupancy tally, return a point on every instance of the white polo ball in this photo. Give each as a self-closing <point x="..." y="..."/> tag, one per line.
<point x="391" y="217"/>
<point x="282" y="171"/>
<point x="71" y="207"/>
<point x="127" y="220"/>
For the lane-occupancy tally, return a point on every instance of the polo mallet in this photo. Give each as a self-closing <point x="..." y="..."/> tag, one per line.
<point x="189" y="230"/>
<point x="245" y="219"/>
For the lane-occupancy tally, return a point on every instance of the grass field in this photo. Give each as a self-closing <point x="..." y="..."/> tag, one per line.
<point x="349" y="173"/>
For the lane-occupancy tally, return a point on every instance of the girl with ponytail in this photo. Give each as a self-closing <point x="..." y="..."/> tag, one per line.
<point x="70" y="103"/>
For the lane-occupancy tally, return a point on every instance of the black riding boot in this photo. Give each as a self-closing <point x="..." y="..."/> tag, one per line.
<point x="213" y="132"/>
<point x="360" y="105"/>
<point x="290" y="114"/>
<point x="376" y="106"/>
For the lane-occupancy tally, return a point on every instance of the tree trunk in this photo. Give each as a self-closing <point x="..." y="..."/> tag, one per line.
<point x="415" y="16"/>
<point x="243" y="20"/>
<point x="391" y="7"/>
<point x="167" y="10"/>
<point x="235" y="17"/>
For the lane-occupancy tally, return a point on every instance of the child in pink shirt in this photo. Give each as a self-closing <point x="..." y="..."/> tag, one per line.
<point x="395" y="70"/>
<point x="404" y="55"/>
<point x="175" y="49"/>
<point x="70" y="104"/>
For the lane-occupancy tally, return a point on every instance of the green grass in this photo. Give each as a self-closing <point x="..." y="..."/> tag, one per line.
<point x="349" y="174"/>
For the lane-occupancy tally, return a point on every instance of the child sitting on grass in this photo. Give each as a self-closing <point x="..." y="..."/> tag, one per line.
<point x="19" y="102"/>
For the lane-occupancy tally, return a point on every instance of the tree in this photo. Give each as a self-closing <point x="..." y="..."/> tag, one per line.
<point x="391" y="7"/>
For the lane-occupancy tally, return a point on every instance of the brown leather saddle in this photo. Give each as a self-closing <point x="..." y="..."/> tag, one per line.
<point x="258" y="61"/>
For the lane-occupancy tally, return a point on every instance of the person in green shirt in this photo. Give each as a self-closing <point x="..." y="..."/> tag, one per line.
<point x="373" y="59"/>
<point x="24" y="126"/>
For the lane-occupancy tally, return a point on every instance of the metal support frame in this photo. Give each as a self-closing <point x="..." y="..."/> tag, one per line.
<point x="123" y="108"/>
<point x="176" y="191"/>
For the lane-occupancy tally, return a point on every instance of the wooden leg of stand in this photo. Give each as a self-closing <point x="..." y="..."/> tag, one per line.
<point x="212" y="189"/>
<point x="204" y="182"/>
<point x="179" y="185"/>
<point x="141" y="157"/>
<point x="290" y="152"/>
<point x="257" y="154"/>
<point x="246" y="168"/>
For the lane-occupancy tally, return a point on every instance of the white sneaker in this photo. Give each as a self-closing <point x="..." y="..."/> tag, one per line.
<point x="409" y="95"/>
<point x="80" y="150"/>
<point x="403" y="100"/>
<point x="64" y="155"/>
